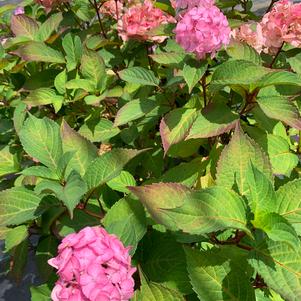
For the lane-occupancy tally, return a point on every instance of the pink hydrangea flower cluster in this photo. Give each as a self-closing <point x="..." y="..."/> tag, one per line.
<point x="249" y="33"/>
<point x="92" y="266"/>
<point x="203" y="30"/>
<point x="139" y="21"/>
<point x="109" y="8"/>
<point x="281" y="24"/>
<point x="188" y="4"/>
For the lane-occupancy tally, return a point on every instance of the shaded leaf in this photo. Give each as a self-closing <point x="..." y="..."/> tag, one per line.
<point x="220" y="274"/>
<point x="127" y="220"/>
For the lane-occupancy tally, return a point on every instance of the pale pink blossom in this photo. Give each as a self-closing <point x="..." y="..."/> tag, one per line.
<point x="109" y="8"/>
<point x="203" y="31"/>
<point x="93" y="265"/>
<point x="281" y="24"/>
<point x="249" y="33"/>
<point x="188" y="4"/>
<point x="173" y="4"/>
<point x="19" y="11"/>
<point x="140" y="20"/>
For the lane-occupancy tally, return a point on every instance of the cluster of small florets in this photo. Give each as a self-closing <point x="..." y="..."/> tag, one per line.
<point x="93" y="265"/>
<point x="281" y="24"/>
<point x="139" y="21"/>
<point x="202" y="28"/>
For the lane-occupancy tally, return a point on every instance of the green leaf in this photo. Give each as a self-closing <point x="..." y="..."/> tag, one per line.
<point x="289" y="203"/>
<point x="84" y="150"/>
<point x="40" y="293"/>
<point x="18" y="205"/>
<point x="22" y="25"/>
<point x="261" y="194"/>
<point x="214" y="120"/>
<point x="133" y="110"/>
<point x="93" y="68"/>
<point x="19" y="116"/>
<point x="42" y="96"/>
<point x="164" y="261"/>
<point x="175" y="126"/>
<point x="168" y="58"/>
<point x="283" y="160"/>
<point x="79" y="83"/>
<point x="41" y="79"/>
<point x="70" y="193"/>
<point x="295" y="63"/>
<point x="280" y="267"/>
<point x="41" y="139"/>
<point x="121" y="182"/>
<point x="280" y="108"/>
<point x="157" y="292"/>
<point x="279" y="78"/>
<point x="46" y="249"/>
<point x="3" y="232"/>
<point x="80" y="220"/>
<point x="185" y="173"/>
<point x="101" y="132"/>
<point x="49" y="26"/>
<point x="237" y="72"/>
<point x="127" y="220"/>
<point x="220" y="274"/>
<point x="20" y="256"/>
<point x="195" y="212"/>
<point x="151" y="291"/>
<point x="193" y="72"/>
<point x="73" y="49"/>
<point x="139" y="75"/>
<point x="8" y="162"/>
<point x="15" y="236"/>
<point x="278" y="229"/>
<point x="242" y="51"/>
<point x="40" y="171"/>
<point x="60" y="82"/>
<point x="39" y="52"/>
<point x="234" y="160"/>
<point x="108" y="166"/>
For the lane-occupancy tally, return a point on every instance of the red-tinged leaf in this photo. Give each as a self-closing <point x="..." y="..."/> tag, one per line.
<point x="39" y="52"/>
<point x="22" y="25"/>
<point x="214" y="120"/>
<point x="195" y="212"/>
<point x="175" y="126"/>
<point x="161" y="196"/>
<point x="280" y="108"/>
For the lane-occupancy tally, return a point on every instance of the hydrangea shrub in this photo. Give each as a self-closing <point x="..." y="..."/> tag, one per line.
<point x="150" y="150"/>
